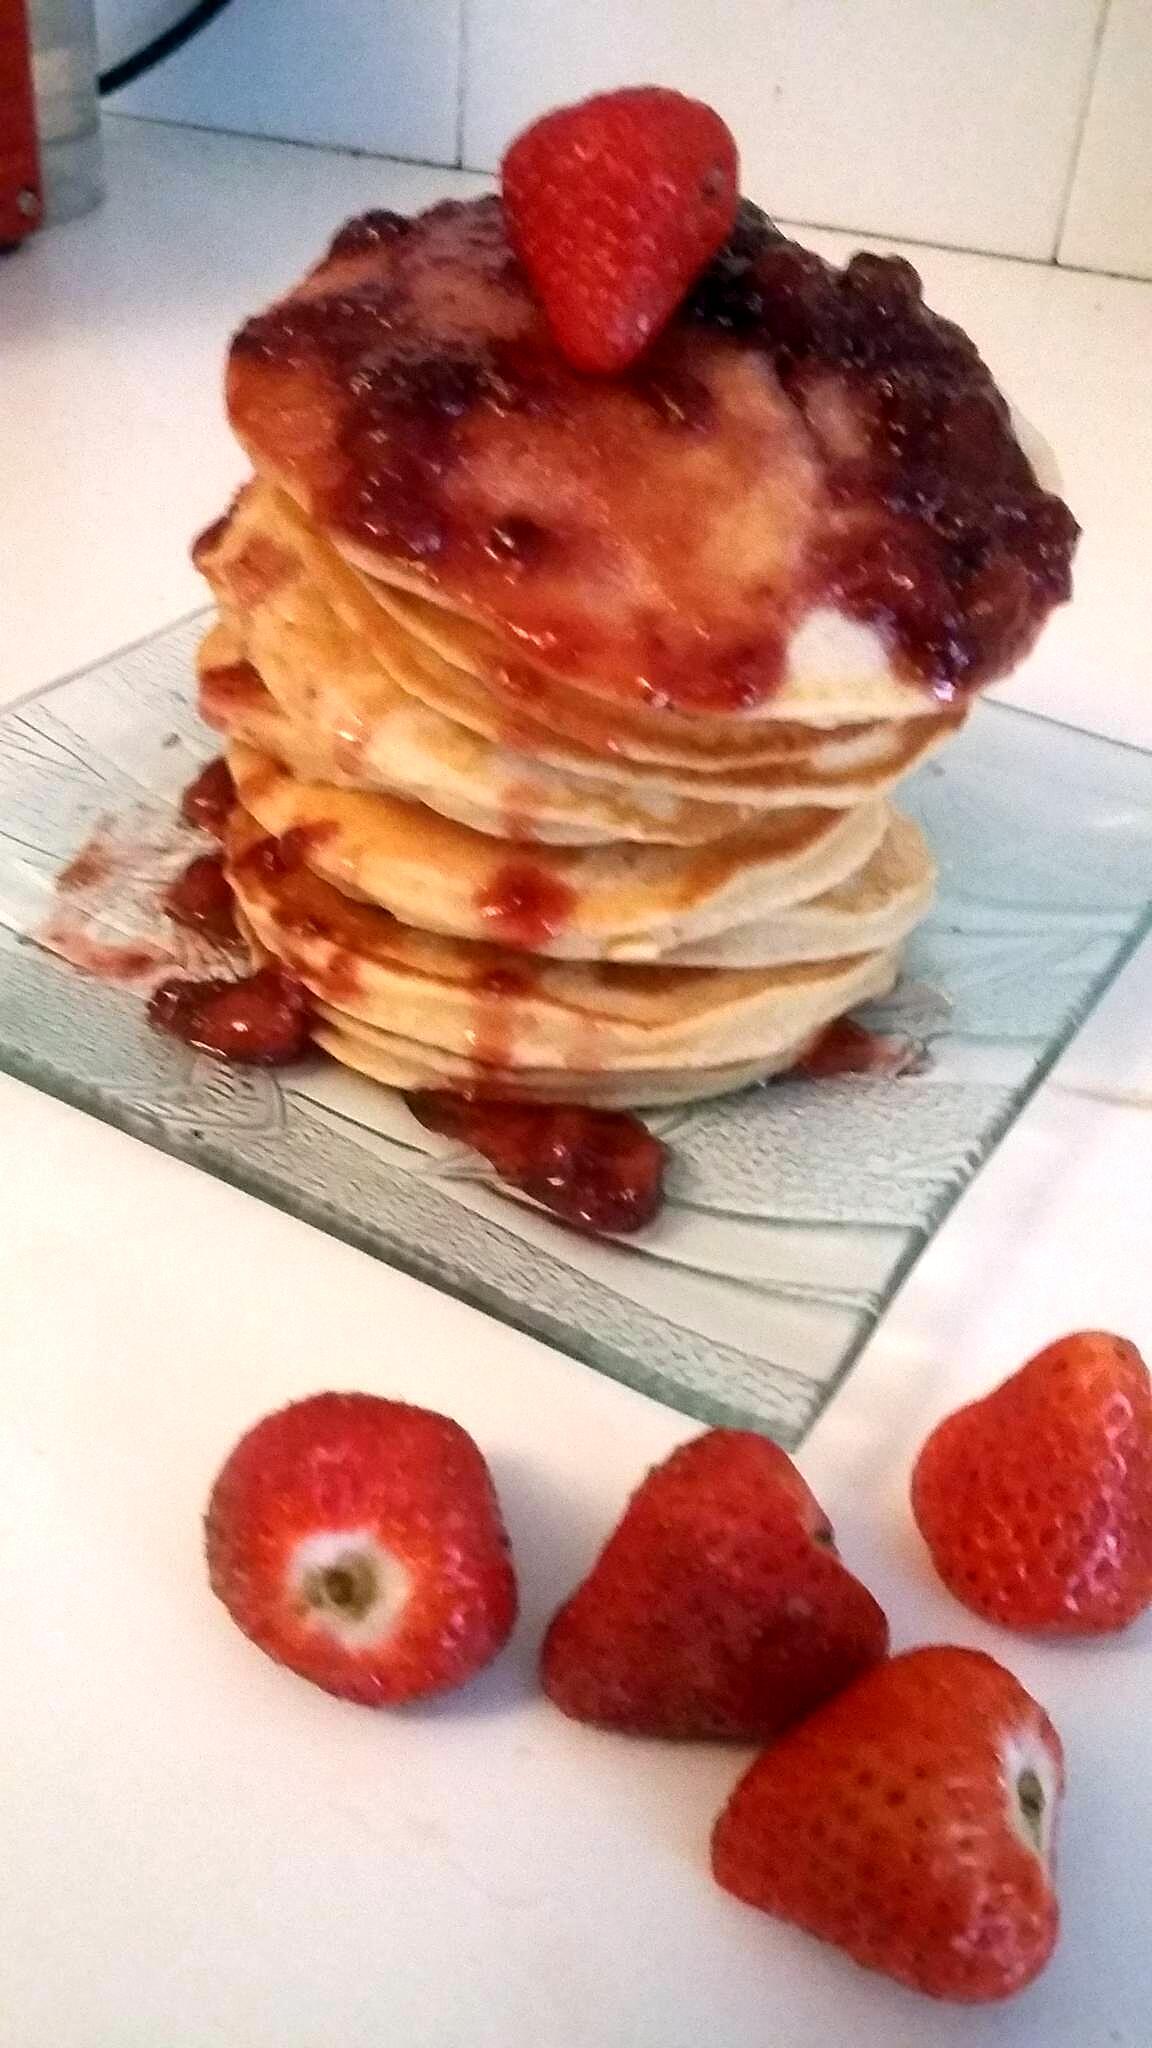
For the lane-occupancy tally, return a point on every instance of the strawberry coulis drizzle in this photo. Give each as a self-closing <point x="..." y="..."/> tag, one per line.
<point x="941" y="538"/>
<point x="845" y="1048"/>
<point x="200" y="899"/>
<point x="226" y="691"/>
<point x="208" y="801"/>
<point x="76" y="930"/>
<point x="524" y="906"/>
<point x="261" y="1020"/>
<point x="127" y="965"/>
<point x="599" y="1170"/>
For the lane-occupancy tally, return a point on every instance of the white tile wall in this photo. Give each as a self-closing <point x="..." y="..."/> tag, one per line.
<point x="985" y="124"/>
<point x="943" y="120"/>
<point x="372" y="74"/>
<point x="123" y="26"/>
<point x="1109" y="225"/>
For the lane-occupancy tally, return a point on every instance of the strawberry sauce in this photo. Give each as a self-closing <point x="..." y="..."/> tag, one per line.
<point x="524" y="906"/>
<point x="228" y="688"/>
<point x="493" y="1026"/>
<point x="596" y="1169"/>
<point x="127" y="964"/>
<point x="846" y="1047"/>
<point x="85" y="927"/>
<point x="931" y="527"/>
<point x="208" y="801"/>
<point x="287" y="854"/>
<point x="942" y="539"/>
<point x="201" y="899"/>
<point x="260" y="1021"/>
<point x="91" y="868"/>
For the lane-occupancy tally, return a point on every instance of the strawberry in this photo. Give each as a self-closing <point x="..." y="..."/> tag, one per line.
<point x="359" y="1542"/>
<point x="614" y="206"/>
<point x="1036" y="1502"/>
<point x="719" y="1606"/>
<point x="911" y="1822"/>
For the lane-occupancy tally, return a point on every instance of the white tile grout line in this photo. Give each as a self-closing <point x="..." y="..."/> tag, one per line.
<point x="1103" y="17"/>
<point x="816" y="227"/>
<point x="348" y="149"/>
<point x="462" y="53"/>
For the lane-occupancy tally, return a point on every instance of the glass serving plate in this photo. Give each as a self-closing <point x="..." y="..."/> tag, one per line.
<point x="794" y="1210"/>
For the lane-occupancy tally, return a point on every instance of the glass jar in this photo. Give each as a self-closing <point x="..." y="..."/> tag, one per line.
<point x="64" y="66"/>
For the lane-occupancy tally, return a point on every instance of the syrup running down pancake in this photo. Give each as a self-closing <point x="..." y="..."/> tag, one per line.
<point x="463" y="997"/>
<point x="570" y="902"/>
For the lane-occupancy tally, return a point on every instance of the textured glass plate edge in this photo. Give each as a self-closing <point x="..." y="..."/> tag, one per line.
<point x="1001" y="1125"/>
<point x="247" y="1176"/>
<point x="924" y="1233"/>
<point x="530" y="1320"/>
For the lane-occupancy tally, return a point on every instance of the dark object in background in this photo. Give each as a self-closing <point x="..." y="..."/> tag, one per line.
<point x="21" y="201"/>
<point x="164" y="45"/>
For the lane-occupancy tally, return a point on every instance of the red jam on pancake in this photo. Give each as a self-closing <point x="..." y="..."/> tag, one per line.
<point x="798" y="440"/>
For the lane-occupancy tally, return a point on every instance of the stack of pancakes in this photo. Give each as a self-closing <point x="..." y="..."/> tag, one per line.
<point x="561" y="742"/>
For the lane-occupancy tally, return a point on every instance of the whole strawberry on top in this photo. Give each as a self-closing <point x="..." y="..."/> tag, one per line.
<point x="615" y="205"/>
<point x="911" y="1822"/>
<point x="1036" y="1502"/>
<point x="719" y="1606"/>
<point x="359" y="1541"/>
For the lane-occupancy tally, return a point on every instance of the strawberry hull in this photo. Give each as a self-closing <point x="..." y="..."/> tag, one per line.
<point x="359" y="1542"/>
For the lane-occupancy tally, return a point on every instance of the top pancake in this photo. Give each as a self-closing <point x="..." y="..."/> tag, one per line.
<point x="808" y="498"/>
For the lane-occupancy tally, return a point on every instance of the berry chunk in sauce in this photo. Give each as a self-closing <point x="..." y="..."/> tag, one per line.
<point x="846" y="1047"/>
<point x="201" y="899"/>
<point x="600" y="1170"/>
<point x="260" y="1021"/>
<point x="207" y="802"/>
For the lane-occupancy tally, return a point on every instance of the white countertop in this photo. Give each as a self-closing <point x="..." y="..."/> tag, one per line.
<point x="200" y="1852"/>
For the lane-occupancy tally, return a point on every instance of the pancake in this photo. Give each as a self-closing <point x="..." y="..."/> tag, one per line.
<point x="807" y="499"/>
<point x="873" y="910"/>
<point x="495" y="1014"/>
<point x="565" y="902"/>
<point x="329" y="720"/>
<point x="283" y="583"/>
<point x="320" y="932"/>
<point x="400" y="1063"/>
<point x="562" y="710"/>
<point x="756" y="763"/>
